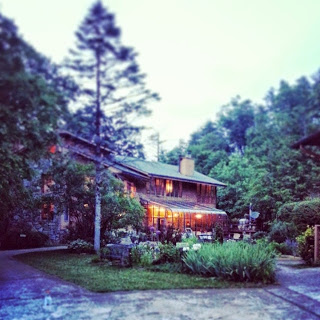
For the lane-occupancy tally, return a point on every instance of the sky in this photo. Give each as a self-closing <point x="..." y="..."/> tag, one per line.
<point x="197" y="54"/>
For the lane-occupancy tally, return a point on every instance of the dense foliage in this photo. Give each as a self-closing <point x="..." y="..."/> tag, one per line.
<point x="236" y="261"/>
<point x="73" y="193"/>
<point x="248" y="147"/>
<point x="112" y="92"/>
<point x="302" y="214"/>
<point x="306" y="245"/>
<point x="33" y="97"/>
<point x="112" y="87"/>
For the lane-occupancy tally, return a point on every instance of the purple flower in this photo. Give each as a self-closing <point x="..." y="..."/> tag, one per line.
<point x="158" y="232"/>
<point x="151" y="229"/>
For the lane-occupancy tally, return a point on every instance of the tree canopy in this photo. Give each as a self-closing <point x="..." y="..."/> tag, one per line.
<point x="248" y="148"/>
<point x="108" y="71"/>
<point x="33" y="96"/>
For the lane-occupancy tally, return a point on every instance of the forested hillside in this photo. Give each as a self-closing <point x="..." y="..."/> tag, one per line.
<point x="248" y="148"/>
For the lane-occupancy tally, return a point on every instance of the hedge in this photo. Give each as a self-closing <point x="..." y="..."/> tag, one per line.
<point x="302" y="213"/>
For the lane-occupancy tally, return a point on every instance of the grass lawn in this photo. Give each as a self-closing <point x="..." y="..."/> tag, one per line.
<point x="102" y="277"/>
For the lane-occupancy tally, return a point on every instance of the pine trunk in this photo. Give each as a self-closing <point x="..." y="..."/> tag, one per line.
<point x="97" y="220"/>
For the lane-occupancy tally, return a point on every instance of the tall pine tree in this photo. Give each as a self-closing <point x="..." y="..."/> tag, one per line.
<point x="112" y="89"/>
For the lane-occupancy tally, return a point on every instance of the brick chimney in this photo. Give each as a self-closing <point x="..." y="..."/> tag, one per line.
<point x="186" y="166"/>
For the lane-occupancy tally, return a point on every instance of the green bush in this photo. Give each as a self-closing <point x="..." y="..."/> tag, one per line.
<point x="302" y="214"/>
<point x="218" y="231"/>
<point x="281" y="231"/>
<point x="190" y="241"/>
<point x="306" y="213"/>
<point x="146" y="259"/>
<point x="306" y="245"/>
<point x="285" y="212"/>
<point x="288" y="247"/>
<point x="259" y="235"/>
<point x="168" y="253"/>
<point x="80" y="246"/>
<point x="236" y="261"/>
<point x="143" y="253"/>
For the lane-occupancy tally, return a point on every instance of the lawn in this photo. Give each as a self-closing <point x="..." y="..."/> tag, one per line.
<point x="102" y="277"/>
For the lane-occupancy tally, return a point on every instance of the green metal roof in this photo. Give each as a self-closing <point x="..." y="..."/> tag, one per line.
<point x="164" y="170"/>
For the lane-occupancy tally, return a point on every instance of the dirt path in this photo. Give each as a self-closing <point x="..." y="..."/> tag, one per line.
<point x="26" y="293"/>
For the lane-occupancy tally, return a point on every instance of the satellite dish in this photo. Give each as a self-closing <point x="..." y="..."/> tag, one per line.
<point x="254" y="214"/>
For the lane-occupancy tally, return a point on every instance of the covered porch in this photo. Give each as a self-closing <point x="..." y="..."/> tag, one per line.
<point x="183" y="214"/>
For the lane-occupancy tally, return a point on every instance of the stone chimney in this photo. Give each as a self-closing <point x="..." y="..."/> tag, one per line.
<point x="186" y="166"/>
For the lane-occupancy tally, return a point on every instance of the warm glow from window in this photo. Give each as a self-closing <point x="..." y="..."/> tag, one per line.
<point x="169" y="186"/>
<point x="198" y="216"/>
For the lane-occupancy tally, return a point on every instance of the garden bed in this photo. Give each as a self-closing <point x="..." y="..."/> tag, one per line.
<point x="102" y="277"/>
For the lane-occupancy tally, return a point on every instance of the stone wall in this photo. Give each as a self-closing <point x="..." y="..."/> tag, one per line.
<point x="29" y="220"/>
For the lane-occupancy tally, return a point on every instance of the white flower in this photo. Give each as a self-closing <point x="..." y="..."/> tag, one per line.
<point x="196" y="246"/>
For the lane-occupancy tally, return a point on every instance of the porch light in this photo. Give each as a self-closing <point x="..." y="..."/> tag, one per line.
<point x="198" y="216"/>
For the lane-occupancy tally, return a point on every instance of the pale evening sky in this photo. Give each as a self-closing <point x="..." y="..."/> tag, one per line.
<point x="197" y="54"/>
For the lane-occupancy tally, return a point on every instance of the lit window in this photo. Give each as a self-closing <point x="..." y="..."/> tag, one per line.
<point x="169" y="187"/>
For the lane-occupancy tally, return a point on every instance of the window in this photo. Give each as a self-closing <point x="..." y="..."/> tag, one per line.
<point x="159" y="187"/>
<point x="169" y="188"/>
<point x="47" y="183"/>
<point x="47" y="211"/>
<point x="130" y="188"/>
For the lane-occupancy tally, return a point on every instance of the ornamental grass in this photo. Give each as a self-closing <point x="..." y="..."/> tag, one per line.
<point x="235" y="261"/>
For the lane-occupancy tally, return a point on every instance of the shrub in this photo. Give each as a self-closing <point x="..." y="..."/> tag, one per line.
<point x="259" y="235"/>
<point x="237" y="261"/>
<point x="168" y="253"/>
<point x="112" y="237"/>
<point x="306" y="245"/>
<point x="285" y="212"/>
<point x="218" y="231"/>
<point x="289" y="247"/>
<point x="306" y="213"/>
<point x="190" y="241"/>
<point x="146" y="259"/>
<point x="281" y="231"/>
<point x="302" y="214"/>
<point x="17" y="238"/>
<point x="171" y="236"/>
<point x="80" y="246"/>
<point x="143" y="253"/>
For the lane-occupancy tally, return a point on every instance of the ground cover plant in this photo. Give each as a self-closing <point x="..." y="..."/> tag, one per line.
<point x="103" y="277"/>
<point x="237" y="261"/>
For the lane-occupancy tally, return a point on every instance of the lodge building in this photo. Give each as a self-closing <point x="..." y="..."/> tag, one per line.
<point x="173" y="195"/>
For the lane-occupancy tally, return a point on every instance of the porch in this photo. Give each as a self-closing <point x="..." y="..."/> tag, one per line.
<point x="181" y="215"/>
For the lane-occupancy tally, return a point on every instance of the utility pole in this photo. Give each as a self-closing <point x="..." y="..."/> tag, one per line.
<point x="156" y="138"/>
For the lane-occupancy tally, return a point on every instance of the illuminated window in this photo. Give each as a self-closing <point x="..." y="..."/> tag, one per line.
<point x="169" y="187"/>
<point x="133" y="190"/>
